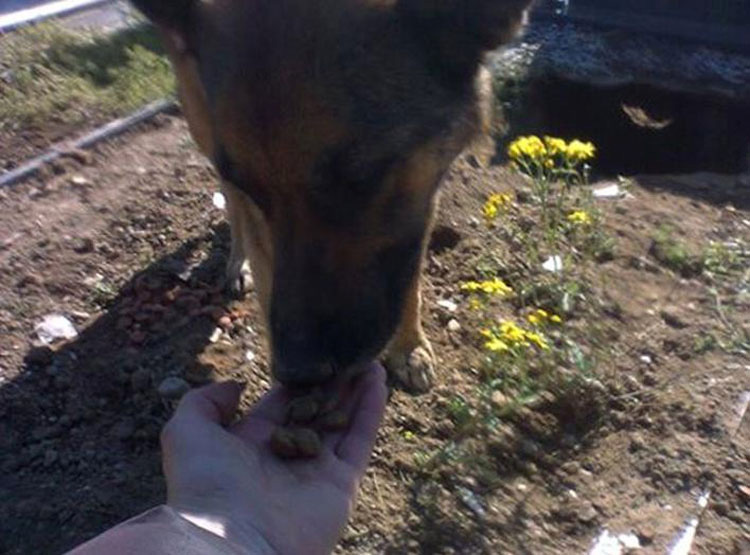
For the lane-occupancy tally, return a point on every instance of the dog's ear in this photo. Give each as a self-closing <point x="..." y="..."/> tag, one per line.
<point x="174" y="15"/>
<point x="460" y="31"/>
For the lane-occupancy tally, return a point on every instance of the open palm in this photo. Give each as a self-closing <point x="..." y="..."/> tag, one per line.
<point x="228" y="481"/>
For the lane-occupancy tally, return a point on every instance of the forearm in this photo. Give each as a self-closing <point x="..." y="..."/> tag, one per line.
<point x="162" y="531"/>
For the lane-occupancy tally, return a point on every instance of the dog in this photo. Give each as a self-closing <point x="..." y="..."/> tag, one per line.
<point x="332" y="124"/>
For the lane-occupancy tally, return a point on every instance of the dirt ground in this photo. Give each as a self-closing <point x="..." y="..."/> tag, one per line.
<point x="130" y="247"/>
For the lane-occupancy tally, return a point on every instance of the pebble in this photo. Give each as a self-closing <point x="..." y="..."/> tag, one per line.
<point x="173" y="388"/>
<point x="50" y="457"/>
<point x="448" y="305"/>
<point x="587" y="513"/>
<point x="571" y="467"/>
<point x="673" y="319"/>
<point x="225" y="323"/>
<point x="454" y="325"/>
<point x="124" y="430"/>
<point x="40" y="356"/>
<point x="140" y="379"/>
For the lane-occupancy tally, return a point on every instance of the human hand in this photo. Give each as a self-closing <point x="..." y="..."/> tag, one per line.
<point x="228" y="481"/>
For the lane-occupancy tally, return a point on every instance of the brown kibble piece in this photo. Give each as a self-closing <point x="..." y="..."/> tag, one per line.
<point x="296" y="443"/>
<point x="334" y="421"/>
<point x="302" y="409"/>
<point x="308" y="443"/>
<point x="283" y="443"/>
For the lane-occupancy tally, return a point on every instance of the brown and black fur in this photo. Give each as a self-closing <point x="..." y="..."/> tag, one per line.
<point x="332" y="123"/>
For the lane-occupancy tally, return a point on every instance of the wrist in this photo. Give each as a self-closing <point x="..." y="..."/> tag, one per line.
<point x="243" y="536"/>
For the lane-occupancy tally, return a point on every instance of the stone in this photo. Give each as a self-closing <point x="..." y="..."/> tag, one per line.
<point x="673" y="319"/>
<point x="454" y="326"/>
<point x="140" y="379"/>
<point x="586" y="513"/>
<point x="173" y="388"/>
<point x="40" y="356"/>
<point x="50" y="457"/>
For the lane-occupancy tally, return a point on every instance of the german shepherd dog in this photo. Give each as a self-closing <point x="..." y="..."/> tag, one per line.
<point x="331" y="124"/>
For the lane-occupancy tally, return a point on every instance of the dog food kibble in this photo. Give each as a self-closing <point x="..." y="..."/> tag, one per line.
<point x="302" y="410"/>
<point x="308" y="443"/>
<point x="334" y="421"/>
<point x="296" y="443"/>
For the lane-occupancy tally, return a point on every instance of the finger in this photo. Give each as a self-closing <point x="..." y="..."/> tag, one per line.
<point x="268" y="413"/>
<point x="199" y="417"/>
<point x="215" y="403"/>
<point x="356" y="445"/>
<point x="272" y="405"/>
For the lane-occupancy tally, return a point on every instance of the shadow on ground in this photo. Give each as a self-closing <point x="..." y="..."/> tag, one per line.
<point x="79" y="428"/>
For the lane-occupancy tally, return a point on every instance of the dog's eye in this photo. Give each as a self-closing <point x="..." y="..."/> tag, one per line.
<point x="345" y="182"/>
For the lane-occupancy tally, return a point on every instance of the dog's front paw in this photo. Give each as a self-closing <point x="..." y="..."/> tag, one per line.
<point x="239" y="277"/>
<point x="415" y="369"/>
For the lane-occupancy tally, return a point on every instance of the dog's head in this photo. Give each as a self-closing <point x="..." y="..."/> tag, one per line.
<point x="338" y="118"/>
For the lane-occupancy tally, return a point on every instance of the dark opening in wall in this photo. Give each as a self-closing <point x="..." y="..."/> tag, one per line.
<point x="639" y="128"/>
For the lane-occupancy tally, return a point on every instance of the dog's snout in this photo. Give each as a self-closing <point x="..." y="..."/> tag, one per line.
<point x="303" y="375"/>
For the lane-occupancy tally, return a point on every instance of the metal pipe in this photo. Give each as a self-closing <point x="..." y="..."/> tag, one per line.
<point x="45" y="11"/>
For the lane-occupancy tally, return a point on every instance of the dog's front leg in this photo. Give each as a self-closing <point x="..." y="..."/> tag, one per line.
<point x="409" y="356"/>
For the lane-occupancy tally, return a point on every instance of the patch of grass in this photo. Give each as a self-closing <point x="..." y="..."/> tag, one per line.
<point x="674" y="254"/>
<point x="58" y="75"/>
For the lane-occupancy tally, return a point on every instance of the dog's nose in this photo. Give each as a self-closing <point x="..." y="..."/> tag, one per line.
<point x="303" y="376"/>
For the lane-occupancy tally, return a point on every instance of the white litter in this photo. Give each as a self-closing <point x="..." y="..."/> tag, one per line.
<point x="215" y="336"/>
<point x="219" y="201"/>
<point x="450" y="306"/>
<point x="250" y="356"/>
<point x="609" y="544"/>
<point x="608" y="192"/>
<point x="553" y="264"/>
<point x="647" y="359"/>
<point x="685" y="540"/>
<point x="55" y="327"/>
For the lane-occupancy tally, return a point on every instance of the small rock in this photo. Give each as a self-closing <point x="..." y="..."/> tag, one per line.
<point x="499" y="399"/>
<point x="448" y="305"/>
<point x="79" y="181"/>
<point x="744" y="492"/>
<point x="173" y="388"/>
<point x="637" y="443"/>
<point x="444" y="238"/>
<point x="586" y="513"/>
<point x="571" y="467"/>
<point x="530" y="448"/>
<point x="225" y="323"/>
<point x="454" y="326"/>
<point x="124" y="430"/>
<point x="673" y="319"/>
<point x="140" y="379"/>
<point x="83" y="245"/>
<point x="40" y="356"/>
<point x="50" y="457"/>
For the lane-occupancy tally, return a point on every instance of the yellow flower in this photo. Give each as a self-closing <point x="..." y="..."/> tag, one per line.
<point x="490" y="287"/>
<point x="541" y="317"/>
<point x="527" y="147"/>
<point x="580" y="217"/>
<point x="496" y="203"/>
<point x="475" y="304"/>
<point x="537" y="340"/>
<point x="496" y="345"/>
<point x="555" y="146"/>
<point x="578" y="151"/>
